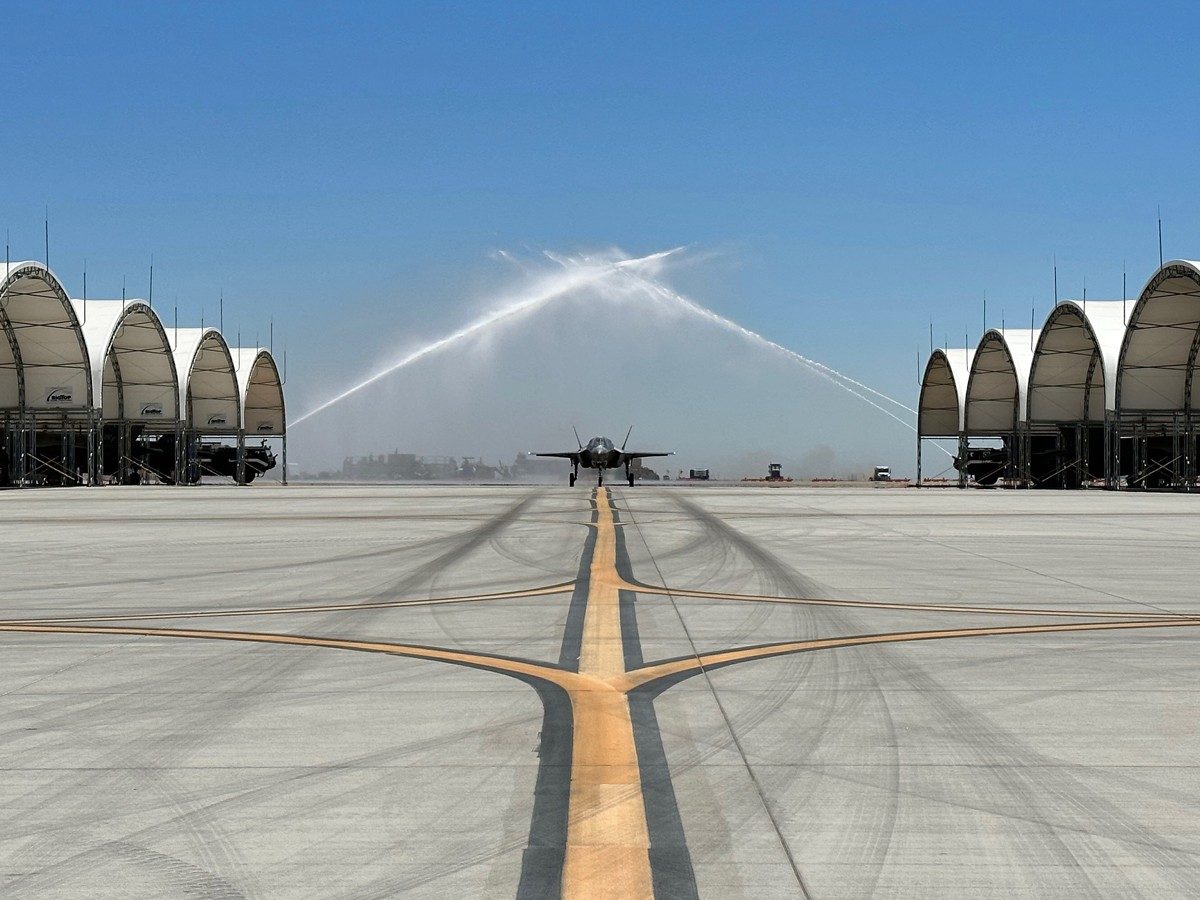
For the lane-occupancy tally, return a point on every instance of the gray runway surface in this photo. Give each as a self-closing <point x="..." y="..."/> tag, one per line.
<point x="246" y="692"/>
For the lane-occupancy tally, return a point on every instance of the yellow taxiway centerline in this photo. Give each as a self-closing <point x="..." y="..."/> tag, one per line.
<point x="608" y="842"/>
<point x="562" y="588"/>
<point x="693" y="664"/>
<point x="906" y="607"/>
<point x="499" y="664"/>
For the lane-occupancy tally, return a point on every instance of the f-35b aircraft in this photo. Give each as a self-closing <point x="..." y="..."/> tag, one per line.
<point x="600" y="453"/>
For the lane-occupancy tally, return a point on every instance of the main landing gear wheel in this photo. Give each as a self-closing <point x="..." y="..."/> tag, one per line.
<point x="600" y="478"/>
<point x="631" y="479"/>
<point x="571" y="478"/>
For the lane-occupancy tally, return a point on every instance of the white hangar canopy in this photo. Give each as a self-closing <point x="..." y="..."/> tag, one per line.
<point x="1159" y="352"/>
<point x="208" y="386"/>
<point x="943" y="393"/>
<point x="998" y="385"/>
<point x="131" y="361"/>
<point x="43" y="361"/>
<point x="261" y="392"/>
<point x="1073" y="377"/>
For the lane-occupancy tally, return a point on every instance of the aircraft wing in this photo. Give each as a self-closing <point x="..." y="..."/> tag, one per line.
<point x="571" y="454"/>
<point x="637" y="454"/>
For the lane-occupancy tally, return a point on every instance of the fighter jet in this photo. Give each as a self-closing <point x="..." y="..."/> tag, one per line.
<point x="600" y="454"/>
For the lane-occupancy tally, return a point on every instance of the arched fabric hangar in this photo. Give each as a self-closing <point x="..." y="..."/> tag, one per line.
<point x="996" y="400"/>
<point x="51" y="425"/>
<point x="264" y="412"/>
<point x="1159" y="349"/>
<point x="943" y="393"/>
<point x="208" y="387"/>
<point x="941" y="405"/>
<point x="134" y="367"/>
<point x="1153" y="436"/>
<point x="1072" y="392"/>
<point x="261" y="390"/>
<point x="208" y="394"/>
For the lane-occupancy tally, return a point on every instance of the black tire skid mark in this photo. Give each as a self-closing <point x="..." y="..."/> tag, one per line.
<point x="776" y="577"/>
<point x="180" y="876"/>
<point x="1057" y="800"/>
<point x="258" y="682"/>
<point x="316" y="562"/>
<point x="268" y="783"/>
<point x="542" y="865"/>
<point x="566" y="560"/>
<point x="720" y="551"/>
<point x="1024" y="788"/>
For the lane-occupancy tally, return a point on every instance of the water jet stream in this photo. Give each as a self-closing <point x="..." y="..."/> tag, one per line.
<point x="576" y="275"/>
<point x="845" y="382"/>
<point x="549" y="289"/>
<point x="841" y="380"/>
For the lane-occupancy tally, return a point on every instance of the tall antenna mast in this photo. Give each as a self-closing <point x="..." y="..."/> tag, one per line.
<point x="85" y="289"/>
<point x="931" y="337"/>
<point x="122" y="291"/>
<point x="151" y="298"/>
<point x="1160" y="256"/>
<point x="271" y="340"/>
<point x="985" y="312"/>
<point x="221" y="313"/>
<point x="1056" y="281"/>
<point x="176" y="323"/>
<point x="1124" y="290"/>
<point x="47" y="235"/>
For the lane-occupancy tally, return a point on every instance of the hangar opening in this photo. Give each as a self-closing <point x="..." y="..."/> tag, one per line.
<point x="1072" y="391"/>
<point x="993" y="446"/>
<point x="208" y="391"/>
<point x="45" y="382"/>
<point x="133" y="364"/>
<point x="1155" y="440"/>
<point x="263" y="412"/>
<point x="943" y="398"/>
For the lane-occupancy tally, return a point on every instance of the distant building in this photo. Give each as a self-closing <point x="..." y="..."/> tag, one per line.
<point x="528" y="466"/>
<point x="397" y="466"/>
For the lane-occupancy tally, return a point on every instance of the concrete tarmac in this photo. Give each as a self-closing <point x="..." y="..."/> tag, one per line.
<point x="372" y="691"/>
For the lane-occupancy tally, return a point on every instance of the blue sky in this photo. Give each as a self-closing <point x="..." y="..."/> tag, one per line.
<point x="850" y="169"/>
